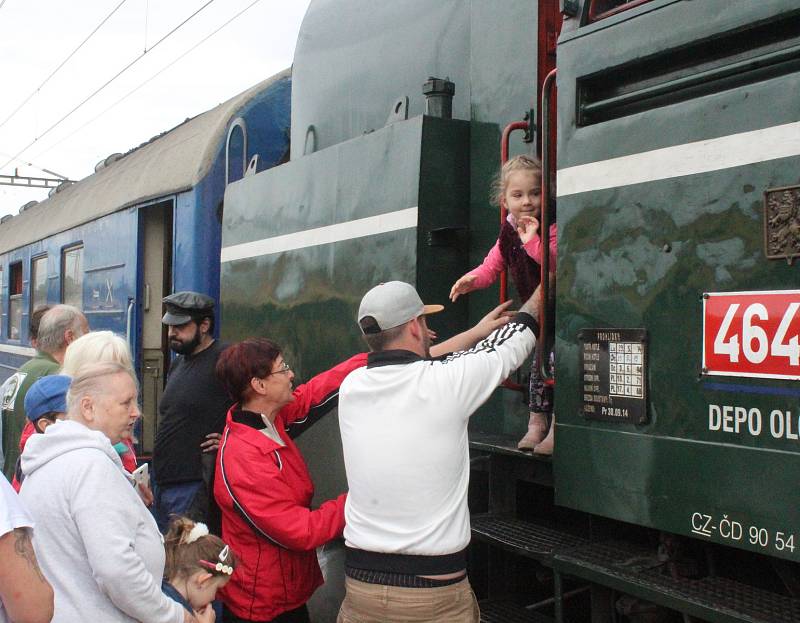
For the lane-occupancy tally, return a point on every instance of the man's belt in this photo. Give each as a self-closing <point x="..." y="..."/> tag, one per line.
<point x="409" y="564"/>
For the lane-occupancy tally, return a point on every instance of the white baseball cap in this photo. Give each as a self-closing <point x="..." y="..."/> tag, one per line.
<point x="392" y="304"/>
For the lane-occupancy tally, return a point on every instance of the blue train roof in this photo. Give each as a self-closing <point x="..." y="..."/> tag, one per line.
<point x="170" y="163"/>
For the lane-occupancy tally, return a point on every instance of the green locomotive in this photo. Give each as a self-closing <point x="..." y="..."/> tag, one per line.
<point x="672" y="157"/>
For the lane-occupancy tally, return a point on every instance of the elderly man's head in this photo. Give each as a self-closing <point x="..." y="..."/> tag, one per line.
<point x="96" y="347"/>
<point x="103" y="397"/>
<point x="59" y="327"/>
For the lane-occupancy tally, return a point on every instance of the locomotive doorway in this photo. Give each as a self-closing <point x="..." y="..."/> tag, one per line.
<point x="155" y="227"/>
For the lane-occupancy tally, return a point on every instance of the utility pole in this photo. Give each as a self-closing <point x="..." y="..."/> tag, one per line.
<point x="25" y="181"/>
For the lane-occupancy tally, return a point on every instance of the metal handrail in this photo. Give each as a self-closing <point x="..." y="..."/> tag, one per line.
<point x="504" y="145"/>
<point x="544" y="226"/>
<point x="129" y="323"/>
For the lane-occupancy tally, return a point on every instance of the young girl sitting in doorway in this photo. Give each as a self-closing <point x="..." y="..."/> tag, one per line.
<point x="519" y="248"/>
<point x="197" y="565"/>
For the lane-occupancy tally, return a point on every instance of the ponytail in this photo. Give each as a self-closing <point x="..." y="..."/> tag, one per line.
<point x="190" y="548"/>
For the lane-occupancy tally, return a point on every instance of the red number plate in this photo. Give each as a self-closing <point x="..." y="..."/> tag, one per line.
<point x="752" y="334"/>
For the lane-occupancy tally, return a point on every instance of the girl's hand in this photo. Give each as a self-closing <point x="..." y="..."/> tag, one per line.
<point x="432" y="335"/>
<point x="527" y="228"/>
<point x="206" y="615"/>
<point x="462" y="286"/>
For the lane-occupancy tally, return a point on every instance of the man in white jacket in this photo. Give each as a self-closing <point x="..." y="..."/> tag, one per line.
<point x="403" y="420"/>
<point x="96" y="542"/>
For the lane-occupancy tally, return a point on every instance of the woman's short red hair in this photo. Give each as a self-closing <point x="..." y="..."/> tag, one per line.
<point x="243" y="361"/>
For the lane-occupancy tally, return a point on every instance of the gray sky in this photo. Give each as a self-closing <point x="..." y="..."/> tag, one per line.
<point x="35" y="37"/>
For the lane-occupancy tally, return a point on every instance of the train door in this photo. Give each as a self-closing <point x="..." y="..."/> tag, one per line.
<point x="515" y="525"/>
<point x="155" y="226"/>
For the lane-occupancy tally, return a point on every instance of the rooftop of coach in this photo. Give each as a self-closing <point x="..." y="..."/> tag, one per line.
<point x="172" y="162"/>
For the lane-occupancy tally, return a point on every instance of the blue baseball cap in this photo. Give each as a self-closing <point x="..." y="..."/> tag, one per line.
<point x="47" y="395"/>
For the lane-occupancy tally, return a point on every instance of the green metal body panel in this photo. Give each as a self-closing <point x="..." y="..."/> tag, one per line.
<point x="306" y="298"/>
<point x="641" y="256"/>
<point x="352" y="64"/>
<point x="355" y="59"/>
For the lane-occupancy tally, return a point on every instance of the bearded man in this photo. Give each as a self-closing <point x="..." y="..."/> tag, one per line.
<point x="191" y="413"/>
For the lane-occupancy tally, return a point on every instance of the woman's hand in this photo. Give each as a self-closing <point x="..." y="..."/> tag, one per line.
<point x="527" y="228"/>
<point x="464" y="285"/>
<point x="145" y="493"/>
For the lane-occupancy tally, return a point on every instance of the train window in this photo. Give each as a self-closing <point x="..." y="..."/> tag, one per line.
<point x="600" y="9"/>
<point x="15" y="301"/>
<point x="72" y="276"/>
<point x="38" y="281"/>
<point x="236" y="151"/>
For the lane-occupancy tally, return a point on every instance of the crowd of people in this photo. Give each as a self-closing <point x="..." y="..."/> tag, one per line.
<point x="228" y="529"/>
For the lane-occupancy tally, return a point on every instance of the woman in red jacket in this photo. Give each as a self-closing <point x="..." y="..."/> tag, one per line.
<point x="263" y="487"/>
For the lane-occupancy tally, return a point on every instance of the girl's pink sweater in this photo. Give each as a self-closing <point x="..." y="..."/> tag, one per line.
<point x="493" y="263"/>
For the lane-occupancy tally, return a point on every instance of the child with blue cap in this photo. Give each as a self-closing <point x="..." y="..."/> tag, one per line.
<point x="45" y="403"/>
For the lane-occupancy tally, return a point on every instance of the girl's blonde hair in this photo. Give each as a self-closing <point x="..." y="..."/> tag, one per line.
<point x="517" y="163"/>
<point x="188" y="553"/>
<point x="97" y="347"/>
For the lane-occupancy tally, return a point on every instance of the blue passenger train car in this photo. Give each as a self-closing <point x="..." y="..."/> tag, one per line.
<point x="144" y="224"/>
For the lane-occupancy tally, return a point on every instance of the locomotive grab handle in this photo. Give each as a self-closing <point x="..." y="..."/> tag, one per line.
<point x="507" y="131"/>
<point x="548" y="88"/>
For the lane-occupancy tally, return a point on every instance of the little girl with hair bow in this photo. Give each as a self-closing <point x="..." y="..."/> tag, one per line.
<point x="197" y="565"/>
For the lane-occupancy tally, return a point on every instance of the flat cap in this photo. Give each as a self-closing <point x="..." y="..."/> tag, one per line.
<point x="183" y="306"/>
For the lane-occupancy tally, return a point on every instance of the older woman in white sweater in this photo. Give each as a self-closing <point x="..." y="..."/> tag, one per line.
<point x="95" y="540"/>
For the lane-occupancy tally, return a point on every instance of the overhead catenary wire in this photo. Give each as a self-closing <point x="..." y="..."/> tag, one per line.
<point x="104" y="85"/>
<point x="36" y="166"/>
<point x="61" y="64"/>
<point x="150" y="79"/>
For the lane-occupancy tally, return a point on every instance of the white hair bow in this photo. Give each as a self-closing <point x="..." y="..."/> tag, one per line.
<point x="199" y="529"/>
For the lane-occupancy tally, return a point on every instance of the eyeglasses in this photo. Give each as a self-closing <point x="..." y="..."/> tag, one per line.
<point x="285" y="367"/>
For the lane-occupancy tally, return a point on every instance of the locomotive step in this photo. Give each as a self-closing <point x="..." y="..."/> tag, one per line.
<point x="502" y="444"/>
<point x="524" y="538"/>
<point x="634" y="571"/>
<point x="497" y="611"/>
<point x="499" y="455"/>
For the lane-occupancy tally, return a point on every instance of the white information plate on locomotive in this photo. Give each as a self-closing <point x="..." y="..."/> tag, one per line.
<point x="752" y="334"/>
<point x="614" y="374"/>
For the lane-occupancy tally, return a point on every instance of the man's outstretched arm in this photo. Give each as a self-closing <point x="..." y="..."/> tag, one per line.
<point x="491" y="321"/>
